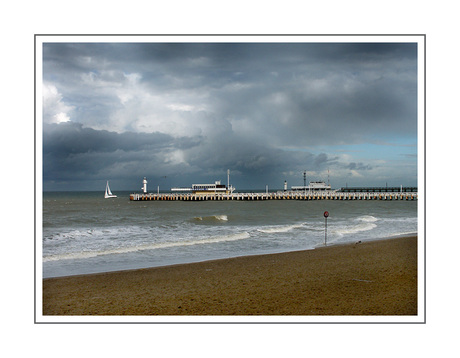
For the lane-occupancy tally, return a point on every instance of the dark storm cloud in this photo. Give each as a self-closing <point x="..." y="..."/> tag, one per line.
<point x="73" y="138"/>
<point x="72" y="152"/>
<point x="200" y="108"/>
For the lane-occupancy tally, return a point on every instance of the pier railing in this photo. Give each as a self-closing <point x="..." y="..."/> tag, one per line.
<point x="276" y="196"/>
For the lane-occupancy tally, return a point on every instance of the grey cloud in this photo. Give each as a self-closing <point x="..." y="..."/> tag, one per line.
<point x="74" y="138"/>
<point x="358" y="166"/>
<point x="72" y="152"/>
<point x="200" y="108"/>
<point x="323" y="159"/>
<point x="348" y="90"/>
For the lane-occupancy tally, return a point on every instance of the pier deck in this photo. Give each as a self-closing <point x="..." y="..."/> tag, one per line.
<point x="276" y="196"/>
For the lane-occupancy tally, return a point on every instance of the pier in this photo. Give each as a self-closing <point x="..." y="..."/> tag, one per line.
<point x="290" y="195"/>
<point x="396" y="189"/>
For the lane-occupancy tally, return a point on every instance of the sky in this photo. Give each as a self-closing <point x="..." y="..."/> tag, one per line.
<point x="184" y="113"/>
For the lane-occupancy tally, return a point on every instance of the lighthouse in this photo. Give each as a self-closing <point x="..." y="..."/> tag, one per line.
<point x="144" y="187"/>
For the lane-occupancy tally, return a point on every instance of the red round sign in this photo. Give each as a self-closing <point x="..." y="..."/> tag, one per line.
<point x="326" y="214"/>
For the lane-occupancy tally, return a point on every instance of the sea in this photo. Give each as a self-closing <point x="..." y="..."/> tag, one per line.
<point x="85" y="233"/>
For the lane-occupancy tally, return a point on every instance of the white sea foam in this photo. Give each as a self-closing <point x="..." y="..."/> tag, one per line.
<point x="221" y="217"/>
<point x="143" y="247"/>
<point x="353" y="229"/>
<point x="360" y="224"/>
<point x="412" y="220"/>
<point x="368" y="219"/>
<point x="212" y="218"/>
<point x="109" y="232"/>
<point x="279" y="229"/>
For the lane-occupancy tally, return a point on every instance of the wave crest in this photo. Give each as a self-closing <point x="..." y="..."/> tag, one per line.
<point x="211" y="218"/>
<point x="367" y="219"/>
<point x="277" y="229"/>
<point x="365" y="226"/>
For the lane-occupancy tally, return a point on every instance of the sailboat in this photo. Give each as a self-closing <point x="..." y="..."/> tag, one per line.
<point x="108" y="193"/>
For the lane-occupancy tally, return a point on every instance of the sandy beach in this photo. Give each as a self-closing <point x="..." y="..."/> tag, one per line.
<point x="363" y="278"/>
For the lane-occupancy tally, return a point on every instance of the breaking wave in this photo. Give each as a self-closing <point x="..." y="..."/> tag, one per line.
<point x="363" y="223"/>
<point x="367" y="219"/>
<point x="277" y="229"/>
<point x="143" y="247"/>
<point x="212" y="218"/>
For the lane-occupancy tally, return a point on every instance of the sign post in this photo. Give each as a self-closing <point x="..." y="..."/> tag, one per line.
<point x="326" y="214"/>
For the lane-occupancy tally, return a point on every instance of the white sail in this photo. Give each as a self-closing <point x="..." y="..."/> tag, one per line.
<point x="108" y="193"/>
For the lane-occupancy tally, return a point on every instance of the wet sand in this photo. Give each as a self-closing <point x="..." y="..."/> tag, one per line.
<point x="366" y="278"/>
